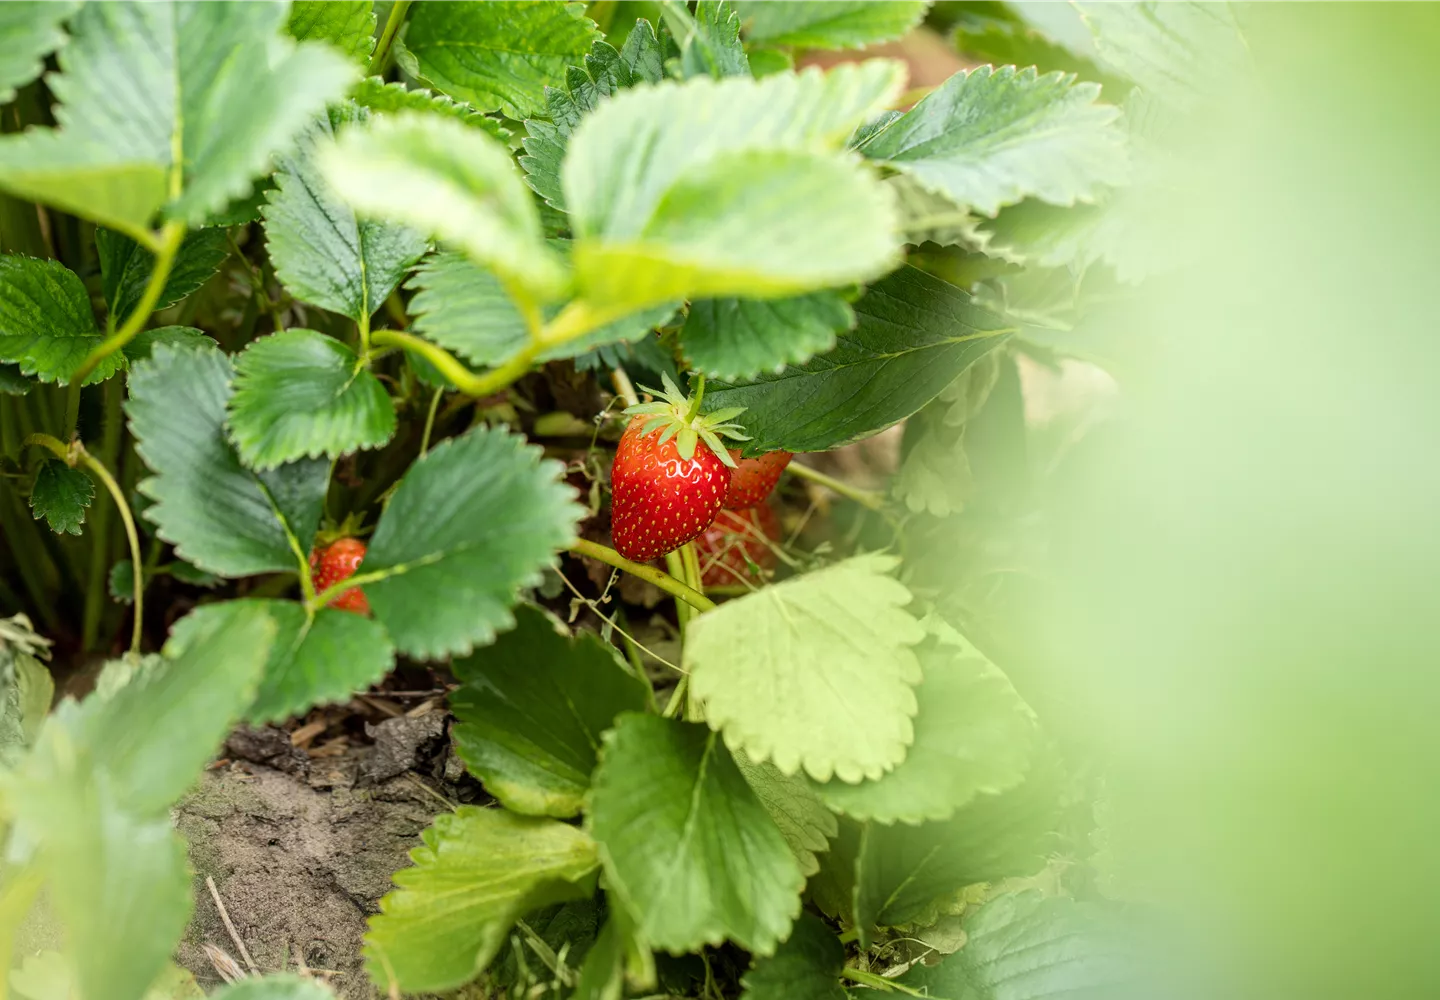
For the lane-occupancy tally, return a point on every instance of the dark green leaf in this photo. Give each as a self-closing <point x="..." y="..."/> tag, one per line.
<point x="572" y="925"/>
<point x="606" y="71"/>
<point x="833" y="24"/>
<point x="348" y="25"/>
<point x="988" y="138"/>
<point x="915" y="334"/>
<point x="45" y="322"/>
<point x="478" y="871"/>
<point x="183" y="337"/>
<point x="322" y="253"/>
<point x="219" y="515"/>
<point x="804" y="820"/>
<point x="532" y="708"/>
<point x="1025" y="946"/>
<point x="122" y="582"/>
<point x="125" y="267"/>
<point x="211" y="90"/>
<point x="301" y="394"/>
<point x="740" y="338"/>
<point x="12" y="383"/>
<point x="498" y="56"/>
<point x="806" y="967"/>
<point x="61" y="495"/>
<point x="472" y="522"/>
<point x="687" y="845"/>
<point x="28" y="33"/>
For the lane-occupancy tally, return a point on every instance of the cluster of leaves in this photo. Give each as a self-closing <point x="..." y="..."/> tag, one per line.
<point x="534" y="190"/>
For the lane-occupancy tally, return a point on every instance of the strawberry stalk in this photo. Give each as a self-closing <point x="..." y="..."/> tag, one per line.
<point x="661" y="579"/>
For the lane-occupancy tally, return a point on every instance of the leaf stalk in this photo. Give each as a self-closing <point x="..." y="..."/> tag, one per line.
<point x="170" y="239"/>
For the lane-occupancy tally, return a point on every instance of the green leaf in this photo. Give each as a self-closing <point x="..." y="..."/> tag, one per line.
<point x="182" y="337"/>
<point x="45" y="322"/>
<point x="815" y="672"/>
<point x="835" y="24"/>
<point x="991" y="137"/>
<point x="125" y="268"/>
<point x="48" y="976"/>
<point x="61" y="495"/>
<point x="1025" y="946"/>
<point x="477" y="873"/>
<point x="374" y="94"/>
<point x="26" y="689"/>
<point x="974" y="736"/>
<point x="741" y="338"/>
<point x="928" y="217"/>
<point x="497" y="56"/>
<point x="199" y="93"/>
<point x="322" y="253"/>
<point x="313" y="661"/>
<point x="28" y="33"/>
<point x="121" y="582"/>
<point x="12" y="383"/>
<point x="804" y="820"/>
<point x="219" y="515"/>
<point x="464" y="307"/>
<point x="531" y="709"/>
<point x="301" y="394"/>
<point x="573" y="926"/>
<point x="1001" y="42"/>
<point x="904" y="874"/>
<point x="915" y="334"/>
<point x="727" y="187"/>
<point x="280" y="986"/>
<point x="449" y="181"/>
<point x="806" y="967"/>
<point x="348" y="25"/>
<point x="687" y="846"/>
<point x="472" y="522"/>
<point x="710" y="40"/>
<point x="606" y="72"/>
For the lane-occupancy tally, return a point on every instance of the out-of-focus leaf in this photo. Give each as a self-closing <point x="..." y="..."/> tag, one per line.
<point x="28" y="33"/>
<point x="125" y="268"/>
<point x="374" y="94"/>
<point x="832" y="24"/>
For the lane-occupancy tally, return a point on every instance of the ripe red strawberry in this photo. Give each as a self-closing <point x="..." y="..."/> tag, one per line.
<point x="670" y="474"/>
<point x="330" y="565"/>
<point x="754" y="478"/>
<point x="736" y="544"/>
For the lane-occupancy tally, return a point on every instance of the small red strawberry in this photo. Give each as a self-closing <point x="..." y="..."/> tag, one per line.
<point x="738" y="546"/>
<point x="666" y="486"/>
<point x="333" y="563"/>
<point x="754" y="478"/>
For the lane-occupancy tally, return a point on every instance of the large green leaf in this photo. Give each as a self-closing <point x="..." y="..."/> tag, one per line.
<point x="61" y="495"/>
<point x="834" y="24"/>
<point x="125" y="268"/>
<point x="322" y="253"/>
<point x="28" y="33"/>
<point x="301" y="394"/>
<point x="991" y="137"/>
<point x="1025" y="946"/>
<point x="313" y="661"/>
<point x="915" y="334"/>
<point x="465" y="308"/>
<point x="806" y="967"/>
<point x="974" y="736"/>
<point x="182" y="103"/>
<point x="606" y="71"/>
<point x="472" y="522"/>
<point x="803" y="818"/>
<point x="45" y="322"/>
<point x="532" y="708"/>
<point x="449" y="181"/>
<point x="905" y="874"/>
<point x="348" y="25"/>
<point x="686" y="844"/>
<point x="497" y="56"/>
<point x="280" y="986"/>
<point x="219" y="515"/>
<point x="477" y="873"/>
<point x="741" y="338"/>
<point x="815" y="672"/>
<point x="727" y="187"/>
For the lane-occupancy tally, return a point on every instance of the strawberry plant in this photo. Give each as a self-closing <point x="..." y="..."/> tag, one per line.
<point x="321" y="327"/>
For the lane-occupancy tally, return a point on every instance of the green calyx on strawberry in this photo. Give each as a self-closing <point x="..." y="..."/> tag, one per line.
<point x="671" y="472"/>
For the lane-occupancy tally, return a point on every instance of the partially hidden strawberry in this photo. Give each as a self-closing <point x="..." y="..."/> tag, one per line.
<point x="333" y="563"/>
<point x="738" y="547"/>
<point x="670" y="473"/>
<point x="754" y="478"/>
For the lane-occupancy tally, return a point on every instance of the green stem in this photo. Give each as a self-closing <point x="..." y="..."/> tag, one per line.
<point x="624" y="388"/>
<point x="675" y="563"/>
<point x="865" y="498"/>
<point x="664" y="581"/>
<point x="101" y="547"/>
<point x="677" y="697"/>
<point x="879" y="982"/>
<point x="392" y="25"/>
<point x="364" y="327"/>
<point x="430" y="422"/>
<point x="471" y="384"/>
<point x="170" y="238"/>
<point x="103" y="474"/>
